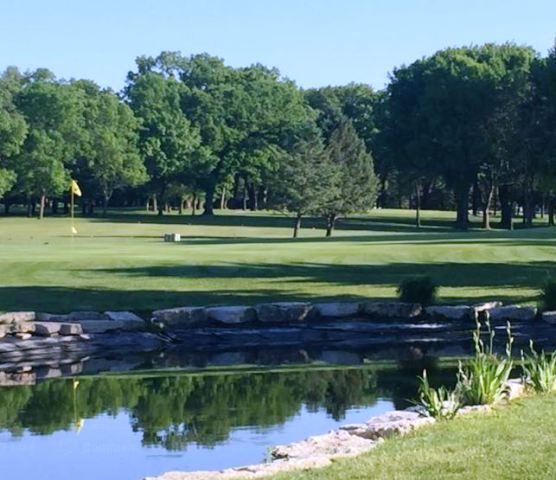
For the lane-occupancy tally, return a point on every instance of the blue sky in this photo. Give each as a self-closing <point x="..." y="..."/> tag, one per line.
<point x="314" y="42"/>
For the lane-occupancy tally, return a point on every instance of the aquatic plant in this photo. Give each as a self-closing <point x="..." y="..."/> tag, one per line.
<point x="482" y="380"/>
<point x="440" y="403"/>
<point x="539" y="369"/>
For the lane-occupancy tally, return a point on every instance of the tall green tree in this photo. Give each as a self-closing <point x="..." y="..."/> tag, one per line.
<point x="13" y="130"/>
<point x="355" y="185"/>
<point x="306" y="180"/>
<point x="110" y="158"/>
<point x="51" y="109"/>
<point x="167" y="139"/>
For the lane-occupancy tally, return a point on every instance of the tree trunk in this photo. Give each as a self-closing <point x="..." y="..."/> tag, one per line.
<point x="54" y="206"/>
<point x="417" y="206"/>
<point x="223" y="198"/>
<point x="297" y="225"/>
<point x="506" y="207"/>
<point x="330" y="223"/>
<point x="155" y="203"/>
<point x="105" y="200"/>
<point x="551" y="211"/>
<point x="244" y="204"/>
<point x="253" y="201"/>
<point x="486" y="207"/>
<point x="194" y="205"/>
<point x="475" y="198"/>
<point x="6" y="207"/>
<point x="41" y="206"/>
<point x="209" y="200"/>
<point x="66" y="206"/>
<point x="462" y="198"/>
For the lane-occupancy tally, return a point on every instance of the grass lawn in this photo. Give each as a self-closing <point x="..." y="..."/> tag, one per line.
<point x="121" y="262"/>
<point x="515" y="442"/>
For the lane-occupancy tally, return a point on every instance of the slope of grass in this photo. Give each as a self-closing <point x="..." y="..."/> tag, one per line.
<point x="121" y="262"/>
<point x="515" y="442"/>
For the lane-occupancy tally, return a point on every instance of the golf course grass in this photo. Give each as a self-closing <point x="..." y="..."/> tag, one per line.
<point x="121" y="262"/>
<point x="514" y="442"/>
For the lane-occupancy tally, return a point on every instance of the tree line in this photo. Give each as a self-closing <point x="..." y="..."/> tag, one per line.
<point x="469" y="129"/>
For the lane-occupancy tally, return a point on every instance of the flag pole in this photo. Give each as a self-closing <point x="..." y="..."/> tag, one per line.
<point x="71" y="211"/>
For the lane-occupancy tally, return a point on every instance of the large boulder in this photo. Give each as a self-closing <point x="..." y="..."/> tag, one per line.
<point x="549" y="317"/>
<point x="336" y="309"/>
<point x="482" y="310"/>
<point x="181" y="317"/>
<point x="129" y="320"/>
<point x="391" y="309"/>
<point x="71" y="329"/>
<point x="232" y="315"/>
<point x="457" y="312"/>
<point x="513" y="313"/>
<point x="101" y="326"/>
<point x="11" y="317"/>
<point x="70" y="317"/>
<point x="46" y="329"/>
<point x="398" y="422"/>
<point x="282" y="312"/>
<point x="333" y="444"/>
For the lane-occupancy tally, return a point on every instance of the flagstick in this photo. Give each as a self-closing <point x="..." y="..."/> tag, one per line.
<point x="71" y="210"/>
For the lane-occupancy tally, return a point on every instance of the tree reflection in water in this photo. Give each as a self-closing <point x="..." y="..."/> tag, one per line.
<point x="174" y="410"/>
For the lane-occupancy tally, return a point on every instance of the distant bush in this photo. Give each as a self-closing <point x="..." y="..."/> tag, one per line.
<point x="420" y="289"/>
<point x="548" y="295"/>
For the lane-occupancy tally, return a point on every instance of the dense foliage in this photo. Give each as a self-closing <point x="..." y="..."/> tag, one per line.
<point x="470" y="129"/>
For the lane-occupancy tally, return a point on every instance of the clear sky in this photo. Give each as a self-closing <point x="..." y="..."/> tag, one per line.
<point x="314" y="42"/>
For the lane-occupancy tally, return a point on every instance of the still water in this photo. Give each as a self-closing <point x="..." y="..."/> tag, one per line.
<point x="130" y="426"/>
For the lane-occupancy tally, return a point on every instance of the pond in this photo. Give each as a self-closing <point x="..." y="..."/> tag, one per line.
<point x="128" y="426"/>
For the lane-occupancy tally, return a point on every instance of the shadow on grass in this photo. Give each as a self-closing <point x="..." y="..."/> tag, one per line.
<point x="66" y="299"/>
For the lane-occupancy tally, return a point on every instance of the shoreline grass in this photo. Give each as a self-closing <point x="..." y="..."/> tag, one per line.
<point x="512" y="442"/>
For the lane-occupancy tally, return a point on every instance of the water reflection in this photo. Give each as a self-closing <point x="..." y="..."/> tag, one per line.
<point x="238" y="411"/>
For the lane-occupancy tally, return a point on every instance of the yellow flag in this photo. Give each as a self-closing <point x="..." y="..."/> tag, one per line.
<point x="74" y="188"/>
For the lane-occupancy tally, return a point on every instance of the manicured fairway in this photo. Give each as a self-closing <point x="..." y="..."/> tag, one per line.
<point x="121" y="262"/>
<point x="515" y="442"/>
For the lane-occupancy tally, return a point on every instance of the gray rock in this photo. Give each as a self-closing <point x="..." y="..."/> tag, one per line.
<point x="333" y="444"/>
<point x="100" y="326"/>
<point x="337" y="309"/>
<point x="513" y="312"/>
<point x="10" y="317"/>
<point x="52" y="317"/>
<point x="24" y="327"/>
<point x="474" y="409"/>
<point x="549" y="317"/>
<point x="47" y="329"/>
<point x="515" y="388"/>
<point x="391" y="309"/>
<point x="4" y="330"/>
<point x="398" y="422"/>
<point x="282" y="312"/>
<point x="70" y="329"/>
<point x="457" y="312"/>
<point x="181" y="317"/>
<point x="23" y="336"/>
<point x="232" y="315"/>
<point x="129" y="320"/>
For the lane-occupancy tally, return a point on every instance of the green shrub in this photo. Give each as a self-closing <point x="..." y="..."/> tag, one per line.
<point x="539" y="369"/>
<point x="548" y="295"/>
<point x="420" y="289"/>
<point x="440" y="403"/>
<point x="482" y="380"/>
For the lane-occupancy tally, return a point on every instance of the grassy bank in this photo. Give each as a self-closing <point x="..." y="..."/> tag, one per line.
<point x="515" y="442"/>
<point x="120" y="262"/>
